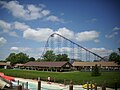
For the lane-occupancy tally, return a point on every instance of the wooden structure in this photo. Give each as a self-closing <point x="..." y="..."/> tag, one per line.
<point x="18" y="65"/>
<point x="48" y="66"/>
<point x="89" y="65"/>
<point x="5" y="65"/>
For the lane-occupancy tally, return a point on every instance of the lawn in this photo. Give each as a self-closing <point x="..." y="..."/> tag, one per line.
<point x="76" y="77"/>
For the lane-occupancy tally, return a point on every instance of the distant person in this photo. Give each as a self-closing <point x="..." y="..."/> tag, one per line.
<point x="49" y="78"/>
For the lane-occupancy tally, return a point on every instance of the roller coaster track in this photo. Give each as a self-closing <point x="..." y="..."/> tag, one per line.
<point x="87" y="53"/>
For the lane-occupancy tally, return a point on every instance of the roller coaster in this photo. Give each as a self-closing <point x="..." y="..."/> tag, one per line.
<point x="62" y="45"/>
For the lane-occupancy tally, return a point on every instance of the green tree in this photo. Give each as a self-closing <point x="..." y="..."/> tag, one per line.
<point x="22" y="57"/>
<point x="62" y="57"/>
<point x="31" y="59"/>
<point x="115" y="57"/>
<point x="12" y="58"/>
<point x="49" y="56"/>
<point x="39" y="59"/>
<point x="96" y="71"/>
<point x="17" y="58"/>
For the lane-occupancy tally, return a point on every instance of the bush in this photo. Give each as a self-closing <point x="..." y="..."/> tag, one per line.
<point x="96" y="71"/>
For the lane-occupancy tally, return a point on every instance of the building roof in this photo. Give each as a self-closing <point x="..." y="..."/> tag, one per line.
<point x="16" y="65"/>
<point x="4" y="64"/>
<point x="47" y="64"/>
<point x="94" y="63"/>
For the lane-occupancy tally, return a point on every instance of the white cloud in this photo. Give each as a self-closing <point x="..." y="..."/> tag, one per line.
<point x="42" y="34"/>
<point x="98" y="49"/>
<point x="9" y="27"/>
<point x="45" y="12"/>
<point x="111" y="35"/>
<point x="14" y="49"/>
<point x="29" y="12"/>
<point x="33" y="8"/>
<point x="87" y="36"/>
<point x="54" y="19"/>
<point x="66" y="32"/>
<point x="5" y="26"/>
<point x="115" y="31"/>
<point x="2" y="40"/>
<point x="116" y="28"/>
<point x="20" y="49"/>
<point x="14" y="34"/>
<point x="39" y="34"/>
<point x="32" y="52"/>
<point x="20" y="26"/>
<point x="101" y="51"/>
<point x="62" y="49"/>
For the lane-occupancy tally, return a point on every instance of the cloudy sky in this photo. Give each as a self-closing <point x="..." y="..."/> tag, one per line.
<point x="26" y="24"/>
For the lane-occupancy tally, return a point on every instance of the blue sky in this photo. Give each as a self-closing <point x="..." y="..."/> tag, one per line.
<point x="26" y="24"/>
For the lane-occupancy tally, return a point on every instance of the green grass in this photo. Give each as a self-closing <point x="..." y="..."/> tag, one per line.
<point x="76" y="77"/>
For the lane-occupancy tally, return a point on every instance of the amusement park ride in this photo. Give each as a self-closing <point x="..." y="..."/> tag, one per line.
<point x="62" y="45"/>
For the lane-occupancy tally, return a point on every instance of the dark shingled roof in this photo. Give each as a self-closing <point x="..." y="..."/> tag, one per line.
<point x="46" y="64"/>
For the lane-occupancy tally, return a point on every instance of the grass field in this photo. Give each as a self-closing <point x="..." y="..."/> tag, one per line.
<point x="76" y="77"/>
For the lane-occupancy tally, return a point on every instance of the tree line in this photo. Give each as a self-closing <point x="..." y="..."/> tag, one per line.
<point x="24" y="58"/>
<point x="51" y="56"/>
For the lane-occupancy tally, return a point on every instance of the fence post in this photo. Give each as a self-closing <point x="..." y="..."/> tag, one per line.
<point x="115" y="85"/>
<point x="18" y="82"/>
<point x="19" y="87"/>
<point x="95" y="86"/>
<point x="22" y="86"/>
<point x="91" y="85"/>
<point x="87" y="86"/>
<point x="39" y="85"/>
<point x="26" y="85"/>
<point x="104" y="86"/>
<point x="64" y="82"/>
<point x="54" y="79"/>
<point x="71" y="85"/>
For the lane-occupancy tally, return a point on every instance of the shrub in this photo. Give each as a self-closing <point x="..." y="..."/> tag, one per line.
<point x="96" y="71"/>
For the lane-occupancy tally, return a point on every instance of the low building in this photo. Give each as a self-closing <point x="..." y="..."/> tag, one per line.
<point x="18" y="65"/>
<point x="89" y="65"/>
<point x="48" y="66"/>
<point x="5" y="65"/>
